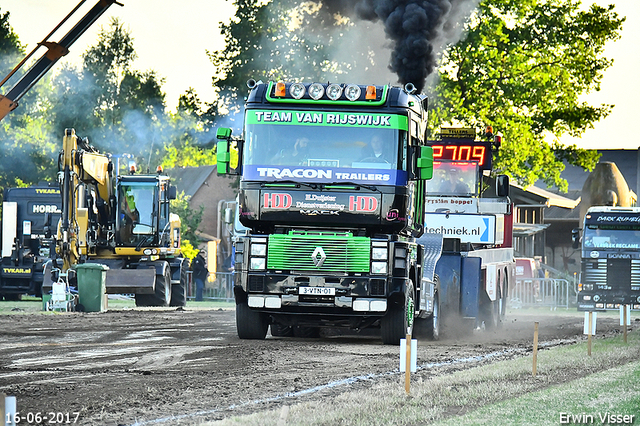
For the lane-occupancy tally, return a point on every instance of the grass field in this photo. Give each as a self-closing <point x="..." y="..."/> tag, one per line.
<point x="569" y="388"/>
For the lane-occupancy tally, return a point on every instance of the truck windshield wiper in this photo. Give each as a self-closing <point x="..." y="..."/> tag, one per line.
<point x="290" y="182"/>
<point x="363" y="185"/>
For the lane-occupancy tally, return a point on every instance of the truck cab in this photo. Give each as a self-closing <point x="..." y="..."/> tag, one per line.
<point x="332" y="189"/>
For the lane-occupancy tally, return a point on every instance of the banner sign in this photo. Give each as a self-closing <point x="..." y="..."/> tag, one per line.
<point x="325" y="175"/>
<point x="478" y="229"/>
<point x="451" y="204"/>
<point x="314" y="204"/>
<point x="321" y="118"/>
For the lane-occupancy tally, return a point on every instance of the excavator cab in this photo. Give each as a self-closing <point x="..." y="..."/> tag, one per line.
<point x="143" y="210"/>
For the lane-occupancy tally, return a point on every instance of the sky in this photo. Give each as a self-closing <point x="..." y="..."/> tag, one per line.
<point x="173" y="41"/>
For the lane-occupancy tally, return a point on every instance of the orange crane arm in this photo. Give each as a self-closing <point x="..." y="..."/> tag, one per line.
<point x="55" y="51"/>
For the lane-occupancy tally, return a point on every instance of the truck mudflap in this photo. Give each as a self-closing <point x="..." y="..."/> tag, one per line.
<point x="432" y="250"/>
<point x="124" y="281"/>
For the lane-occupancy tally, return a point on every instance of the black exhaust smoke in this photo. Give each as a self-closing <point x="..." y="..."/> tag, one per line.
<point x="412" y="25"/>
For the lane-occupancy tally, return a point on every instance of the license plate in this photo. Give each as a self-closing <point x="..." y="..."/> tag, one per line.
<point x="317" y="291"/>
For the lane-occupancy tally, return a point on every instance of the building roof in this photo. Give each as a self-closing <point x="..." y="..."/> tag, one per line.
<point x="190" y="179"/>
<point x="535" y="195"/>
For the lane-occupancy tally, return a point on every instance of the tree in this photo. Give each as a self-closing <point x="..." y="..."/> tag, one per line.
<point x="26" y="152"/>
<point x="190" y="218"/>
<point x="521" y="68"/>
<point x="119" y="108"/>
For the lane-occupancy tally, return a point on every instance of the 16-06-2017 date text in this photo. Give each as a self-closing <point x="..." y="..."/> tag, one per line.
<point x="47" y="418"/>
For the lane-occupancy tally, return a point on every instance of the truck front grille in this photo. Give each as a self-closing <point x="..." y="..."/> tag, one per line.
<point x="612" y="273"/>
<point x="319" y="252"/>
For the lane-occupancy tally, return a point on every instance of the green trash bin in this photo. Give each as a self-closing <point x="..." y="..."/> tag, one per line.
<point x="92" y="278"/>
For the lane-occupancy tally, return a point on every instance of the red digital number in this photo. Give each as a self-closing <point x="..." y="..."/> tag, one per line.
<point x="478" y="154"/>
<point x="437" y="151"/>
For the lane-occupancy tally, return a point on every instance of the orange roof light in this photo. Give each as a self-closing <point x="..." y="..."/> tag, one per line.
<point x="159" y="169"/>
<point x="371" y="93"/>
<point x="280" y="89"/>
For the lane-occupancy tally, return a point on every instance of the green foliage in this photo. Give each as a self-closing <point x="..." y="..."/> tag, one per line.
<point x="119" y="108"/>
<point x="522" y="68"/>
<point x="190" y="219"/>
<point x="187" y="249"/>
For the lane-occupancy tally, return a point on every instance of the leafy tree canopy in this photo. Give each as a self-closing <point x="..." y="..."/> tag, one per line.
<point x="522" y="68"/>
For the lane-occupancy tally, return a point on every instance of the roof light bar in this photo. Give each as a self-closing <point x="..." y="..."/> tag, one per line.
<point x="352" y="92"/>
<point x="334" y="91"/>
<point x="316" y="91"/>
<point x="297" y="90"/>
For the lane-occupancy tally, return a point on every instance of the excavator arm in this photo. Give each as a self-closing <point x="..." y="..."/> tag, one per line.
<point x="55" y="50"/>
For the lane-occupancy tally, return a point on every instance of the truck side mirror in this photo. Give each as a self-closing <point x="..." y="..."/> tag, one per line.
<point x="425" y="163"/>
<point x="575" y="238"/>
<point x="502" y="186"/>
<point x="223" y="156"/>
<point x="173" y="192"/>
<point x="228" y="215"/>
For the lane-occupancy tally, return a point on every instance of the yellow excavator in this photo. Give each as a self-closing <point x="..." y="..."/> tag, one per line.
<point x="122" y="221"/>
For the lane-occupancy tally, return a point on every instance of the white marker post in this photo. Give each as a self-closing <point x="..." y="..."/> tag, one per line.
<point x="535" y="348"/>
<point x="625" y="319"/>
<point x="9" y="410"/>
<point x="590" y="327"/>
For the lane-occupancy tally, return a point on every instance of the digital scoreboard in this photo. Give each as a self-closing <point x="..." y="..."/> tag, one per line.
<point x="460" y="145"/>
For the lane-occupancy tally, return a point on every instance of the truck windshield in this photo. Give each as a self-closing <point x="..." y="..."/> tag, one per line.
<point x="324" y="153"/>
<point x="612" y="237"/>
<point x="458" y="178"/>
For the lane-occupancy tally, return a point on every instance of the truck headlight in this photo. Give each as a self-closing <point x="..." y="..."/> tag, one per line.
<point x="379" y="253"/>
<point x="258" y="249"/>
<point x="378" y="267"/>
<point x="258" y="263"/>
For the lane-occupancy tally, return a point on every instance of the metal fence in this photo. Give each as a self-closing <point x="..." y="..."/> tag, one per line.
<point x="221" y="288"/>
<point x="546" y="292"/>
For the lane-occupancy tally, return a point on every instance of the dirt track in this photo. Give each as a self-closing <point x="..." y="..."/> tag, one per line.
<point x="144" y="366"/>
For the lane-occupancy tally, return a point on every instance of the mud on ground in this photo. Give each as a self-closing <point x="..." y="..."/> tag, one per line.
<point x="144" y="366"/>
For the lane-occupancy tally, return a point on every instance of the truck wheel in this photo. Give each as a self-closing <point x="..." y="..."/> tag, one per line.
<point x="433" y="322"/>
<point x="393" y="325"/>
<point x="179" y="291"/>
<point x="250" y="324"/>
<point x="491" y="313"/>
<point x="279" y="330"/>
<point x="162" y="295"/>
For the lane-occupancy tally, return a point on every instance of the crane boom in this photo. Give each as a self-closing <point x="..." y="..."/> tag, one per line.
<point x="55" y="50"/>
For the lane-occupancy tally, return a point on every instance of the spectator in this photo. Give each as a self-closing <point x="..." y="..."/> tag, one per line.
<point x="200" y="274"/>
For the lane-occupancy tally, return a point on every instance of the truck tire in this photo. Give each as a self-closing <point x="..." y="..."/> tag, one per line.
<point x="393" y="325"/>
<point x="162" y="294"/>
<point x="432" y="324"/>
<point x="491" y="313"/>
<point x="250" y="324"/>
<point x="179" y="291"/>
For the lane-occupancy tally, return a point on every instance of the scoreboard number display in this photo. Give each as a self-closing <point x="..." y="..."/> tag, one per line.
<point x="460" y="145"/>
